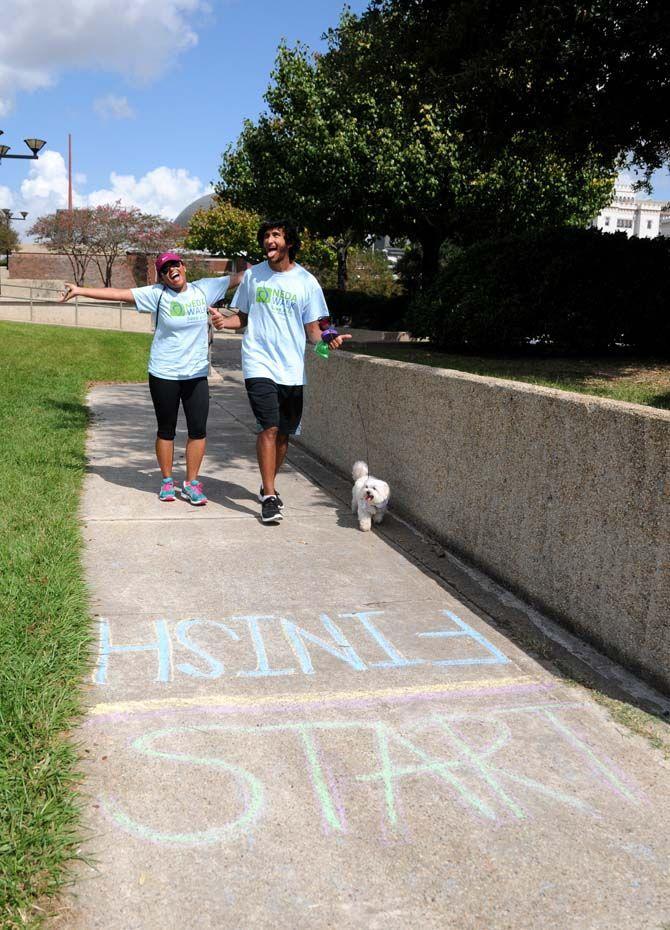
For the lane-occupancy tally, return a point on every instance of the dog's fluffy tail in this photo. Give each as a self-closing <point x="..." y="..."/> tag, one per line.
<point x="360" y="470"/>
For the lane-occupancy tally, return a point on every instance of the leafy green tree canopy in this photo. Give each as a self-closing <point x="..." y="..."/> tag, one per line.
<point x="458" y="119"/>
<point x="304" y="158"/>
<point x="431" y="180"/>
<point x="363" y="140"/>
<point x="225" y="230"/>
<point x="592" y="73"/>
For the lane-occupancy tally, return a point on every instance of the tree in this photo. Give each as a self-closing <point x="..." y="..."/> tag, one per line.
<point x="225" y="230"/>
<point x="117" y="229"/>
<point x="9" y="239"/>
<point x="232" y="232"/>
<point x="101" y="234"/>
<point x="362" y="140"/>
<point x="319" y="257"/>
<point x="591" y="73"/>
<point x="71" y="233"/>
<point x="305" y="158"/>
<point x="156" y="234"/>
<point x="430" y="180"/>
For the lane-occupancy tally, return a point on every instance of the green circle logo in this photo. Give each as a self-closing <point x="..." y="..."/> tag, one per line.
<point x="176" y="309"/>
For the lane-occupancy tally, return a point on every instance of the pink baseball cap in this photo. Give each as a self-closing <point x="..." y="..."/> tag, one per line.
<point x="166" y="257"/>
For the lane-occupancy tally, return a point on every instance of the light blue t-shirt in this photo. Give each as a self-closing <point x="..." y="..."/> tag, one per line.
<point x="179" y="347"/>
<point x="278" y="303"/>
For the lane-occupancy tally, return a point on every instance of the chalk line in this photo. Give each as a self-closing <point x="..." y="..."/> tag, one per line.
<point x="298" y="698"/>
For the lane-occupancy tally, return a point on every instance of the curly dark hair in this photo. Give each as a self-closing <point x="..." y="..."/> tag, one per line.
<point x="290" y="231"/>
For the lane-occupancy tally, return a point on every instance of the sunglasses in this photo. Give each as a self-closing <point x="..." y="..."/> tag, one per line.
<point x="166" y="267"/>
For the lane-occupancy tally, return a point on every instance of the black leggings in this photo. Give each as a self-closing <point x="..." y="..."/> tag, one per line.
<point x="194" y="396"/>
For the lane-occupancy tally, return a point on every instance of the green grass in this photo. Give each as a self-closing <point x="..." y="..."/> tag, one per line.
<point x="44" y="620"/>
<point x="633" y="380"/>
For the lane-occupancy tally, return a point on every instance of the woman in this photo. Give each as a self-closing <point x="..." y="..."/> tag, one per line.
<point x="178" y="361"/>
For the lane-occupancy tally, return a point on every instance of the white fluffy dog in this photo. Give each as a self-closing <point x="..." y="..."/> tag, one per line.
<point x="369" y="497"/>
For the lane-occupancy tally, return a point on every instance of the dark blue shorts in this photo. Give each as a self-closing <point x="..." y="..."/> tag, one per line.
<point x="275" y="405"/>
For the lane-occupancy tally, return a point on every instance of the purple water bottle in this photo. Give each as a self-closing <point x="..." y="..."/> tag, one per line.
<point x="328" y="333"/>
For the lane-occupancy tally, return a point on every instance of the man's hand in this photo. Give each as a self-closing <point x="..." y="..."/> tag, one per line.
<point x="69" y="291"/>
<point x="332" y="340"/>
<point x="217" y="318"/>
<point x="337" y="341"/>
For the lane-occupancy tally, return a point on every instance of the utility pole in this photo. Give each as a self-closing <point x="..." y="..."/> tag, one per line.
<point x="69" y="174"/>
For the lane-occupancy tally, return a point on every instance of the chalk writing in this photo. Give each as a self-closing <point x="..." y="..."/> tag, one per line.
<point x="161" y="645"/>
<point x="342" y="650"/>
<point x="262" y="669"/>
<point x="254" y="803"/>
<point x="495" y="658"/>
<point x="471" y="755"/>
<point x="304" y="644"/>
<point x="397" y="660"/>
<point x="216" y="667"/>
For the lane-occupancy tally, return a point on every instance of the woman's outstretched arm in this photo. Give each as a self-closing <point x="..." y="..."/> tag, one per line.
<point x="98" y="293"/>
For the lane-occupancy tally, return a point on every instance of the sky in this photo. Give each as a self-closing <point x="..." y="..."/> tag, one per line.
<point x="152" y="93"/>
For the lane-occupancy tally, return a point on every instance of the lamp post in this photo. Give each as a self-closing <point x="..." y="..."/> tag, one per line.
<point x="8" y="219"/>
<point x="35" y="146"/>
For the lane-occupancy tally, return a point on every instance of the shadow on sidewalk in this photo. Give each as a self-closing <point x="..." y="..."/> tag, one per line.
<point x="225" y="493"/>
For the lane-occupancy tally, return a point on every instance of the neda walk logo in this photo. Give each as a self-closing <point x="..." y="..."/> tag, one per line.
<point x="195" y="308"/>
<point x="276" y="298"/>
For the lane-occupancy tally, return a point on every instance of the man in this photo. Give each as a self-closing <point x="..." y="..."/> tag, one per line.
<point x="280" y="303"/>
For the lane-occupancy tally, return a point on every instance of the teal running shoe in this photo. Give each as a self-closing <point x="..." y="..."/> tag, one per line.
<point x="167" y="491"/>
<point x="192" y="492"/>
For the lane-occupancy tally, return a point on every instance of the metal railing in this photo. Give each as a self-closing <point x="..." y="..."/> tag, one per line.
<point x="33" y="298"/>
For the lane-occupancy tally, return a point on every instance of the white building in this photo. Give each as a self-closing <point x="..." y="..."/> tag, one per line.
<point x="634" y="216"/>
<point x="392" y="251"/>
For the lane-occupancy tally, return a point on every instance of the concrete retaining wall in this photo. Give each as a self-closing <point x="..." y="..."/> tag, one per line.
<point x="82" y="313"/>
<point x="378" y="335"/>
<point x="565" y="498"/>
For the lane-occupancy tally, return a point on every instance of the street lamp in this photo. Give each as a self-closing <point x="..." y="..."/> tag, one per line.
<point x="35" y="146"/>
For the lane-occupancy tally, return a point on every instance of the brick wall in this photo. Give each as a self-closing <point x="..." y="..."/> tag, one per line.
<point x="55" y="267"/>
<point x="132" y="270"/>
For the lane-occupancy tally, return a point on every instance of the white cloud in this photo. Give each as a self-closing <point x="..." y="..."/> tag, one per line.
<point x="45" y="188"/>
<point x="6" y="198"/>
<point x="113" y="107"/>
<point x="164" y="191"/>
<point x="140" y="40"/>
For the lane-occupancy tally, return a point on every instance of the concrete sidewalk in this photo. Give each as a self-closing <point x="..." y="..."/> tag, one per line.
<point x="304" y="726"/>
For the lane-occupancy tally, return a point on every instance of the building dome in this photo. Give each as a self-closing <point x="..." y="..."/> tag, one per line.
<point x="202" y="203"/>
